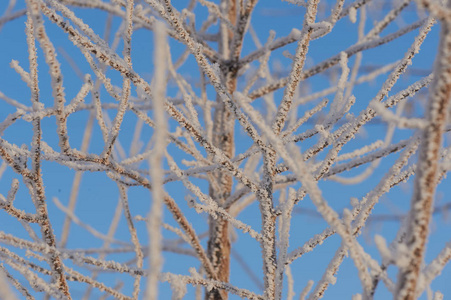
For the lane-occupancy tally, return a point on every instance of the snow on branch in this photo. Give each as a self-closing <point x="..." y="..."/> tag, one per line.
<point x="170" y="113"/>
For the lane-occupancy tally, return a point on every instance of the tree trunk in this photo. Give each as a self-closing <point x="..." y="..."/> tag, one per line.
<point x="426" y="180"/>
<point x="221" y="187"/>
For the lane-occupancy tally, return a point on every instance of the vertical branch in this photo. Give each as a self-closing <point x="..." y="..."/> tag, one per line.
<point x="36" y="181"/>
<point x="55" y="75"/>
<point x="284" y="226"/>
<point x="241" y="26"/>
<point x="269" y="158"/>
<point x="223" y="138"/>
<point x="134" y="237"/>
<point x="298" y="65"/>
<point x="427" y="170"/>
<point x="155" y="163"/>
<point x="268" y="222"/>
<point x="127" y="82"/>
<point x="76" y="182"/>
<point x="269" y="247"/>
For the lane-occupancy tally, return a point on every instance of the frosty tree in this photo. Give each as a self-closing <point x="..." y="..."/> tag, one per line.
<point x="224" y="149"/>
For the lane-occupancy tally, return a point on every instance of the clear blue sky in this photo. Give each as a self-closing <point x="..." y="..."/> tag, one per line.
<point x="98" y="194"/>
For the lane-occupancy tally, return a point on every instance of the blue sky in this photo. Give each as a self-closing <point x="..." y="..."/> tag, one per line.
<point x="98" y="195"/>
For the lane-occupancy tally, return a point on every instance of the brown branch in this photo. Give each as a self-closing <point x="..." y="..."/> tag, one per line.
<point x="427" y="171"/>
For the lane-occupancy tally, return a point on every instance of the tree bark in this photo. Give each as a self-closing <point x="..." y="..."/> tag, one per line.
<point x="427" y="170"/>
<point x="221" y="187"/>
